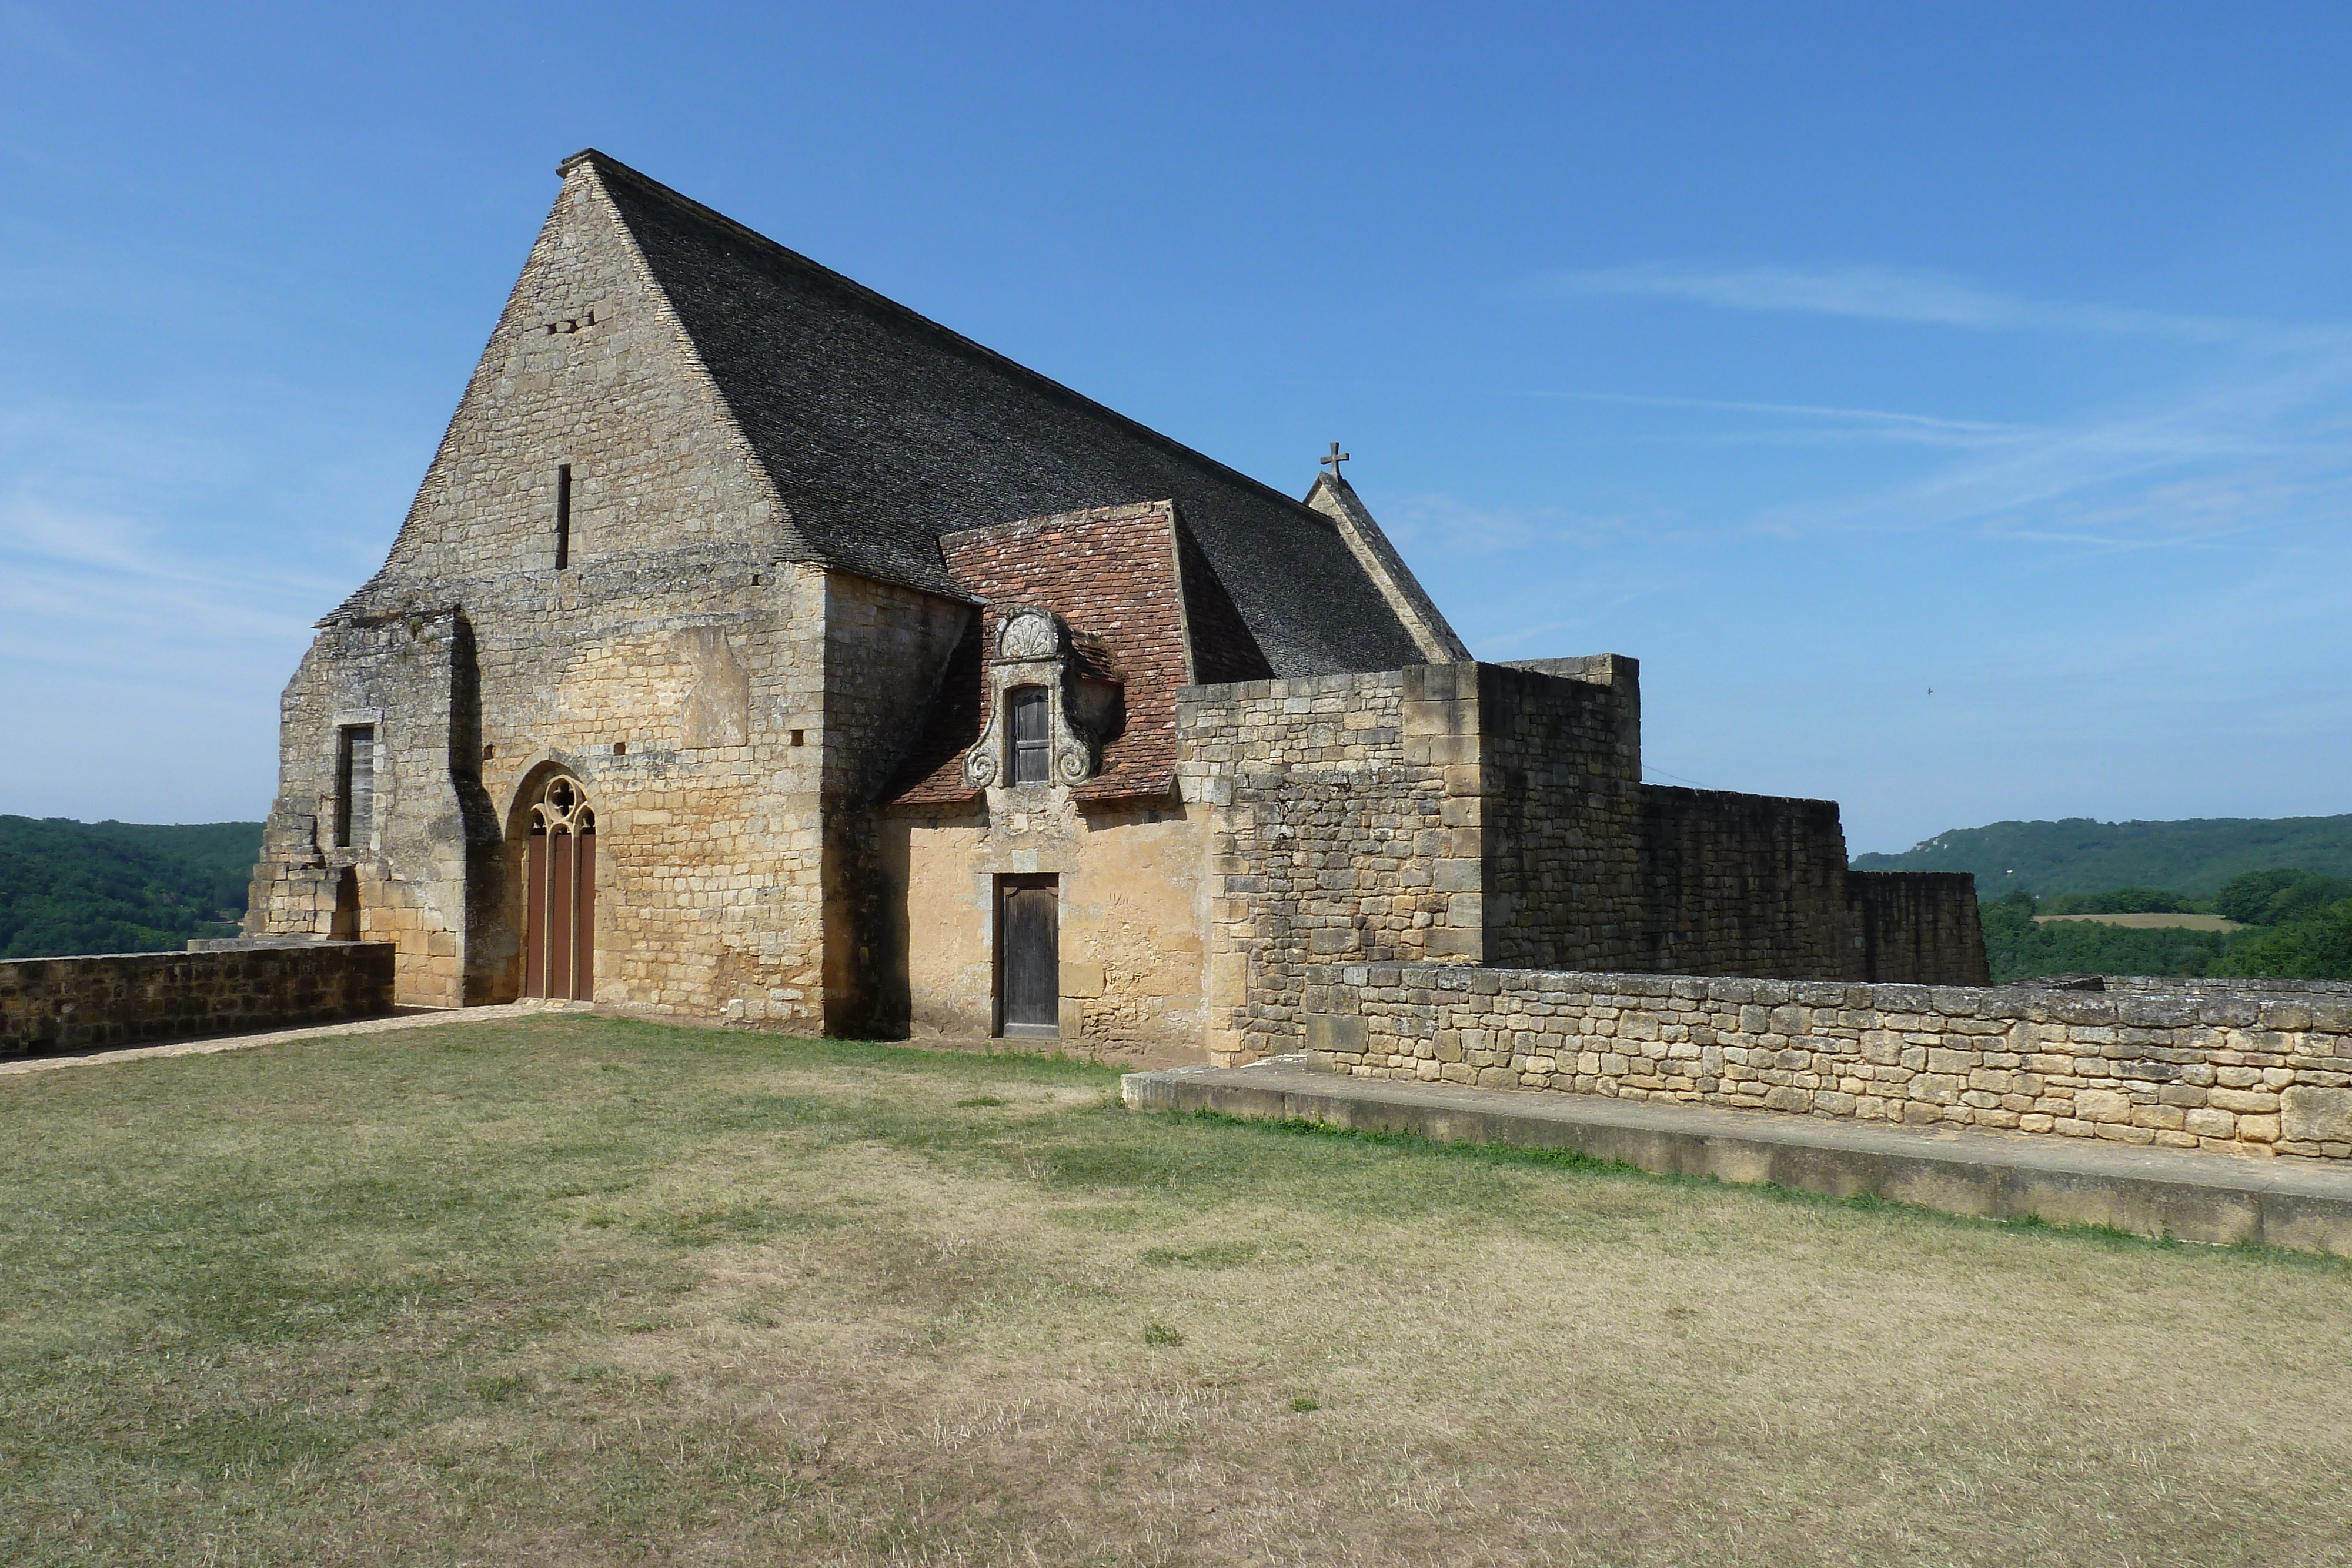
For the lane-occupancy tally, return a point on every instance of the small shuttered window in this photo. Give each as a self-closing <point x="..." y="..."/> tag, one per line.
<point x="356" y="785"/>
<point x="1031" y="751"/>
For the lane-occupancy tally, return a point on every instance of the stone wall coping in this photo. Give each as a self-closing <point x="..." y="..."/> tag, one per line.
<point x="226" y="947"/>
<point x="1298" y="686"/>
<point x="2135" y="1008"/>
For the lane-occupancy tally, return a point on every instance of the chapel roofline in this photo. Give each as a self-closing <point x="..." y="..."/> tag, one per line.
<point x="1333" y="497"/>
<point x="609" y="167"/>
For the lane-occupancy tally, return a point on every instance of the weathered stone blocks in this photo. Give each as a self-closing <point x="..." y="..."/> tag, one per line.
<point x="129" y="998"/>
<point x="1877" y="1054"/>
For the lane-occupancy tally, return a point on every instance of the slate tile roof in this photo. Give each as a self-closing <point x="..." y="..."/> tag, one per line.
<point x="885" y="431"/>
<point x="1144" y="607"/>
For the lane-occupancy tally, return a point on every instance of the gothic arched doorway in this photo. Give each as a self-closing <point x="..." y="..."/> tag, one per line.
<point x="560" y="895"/>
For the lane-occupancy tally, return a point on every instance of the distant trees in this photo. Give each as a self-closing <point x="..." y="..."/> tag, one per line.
<point x="120" y="887"/>
<point x="2019" y="948"/>
<point x="2084" y="856"/>
<point x="2120" y="900"/>
<point x="2300" y="928"/>
<point x="2268" y="897"/>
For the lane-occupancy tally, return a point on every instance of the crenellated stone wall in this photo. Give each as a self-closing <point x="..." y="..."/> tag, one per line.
<point x="2173" y="1067"/>
<point x="130" y="999"/>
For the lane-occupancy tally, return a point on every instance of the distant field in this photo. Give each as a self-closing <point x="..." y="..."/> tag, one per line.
<point x="2148" y="922"/>
<point x="582" y="1292"/>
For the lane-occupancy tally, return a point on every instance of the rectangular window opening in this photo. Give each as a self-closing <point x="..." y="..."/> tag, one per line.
<point x="562" y="516"/>
<point x="356" y="785"/>
<point x="1032" y="749"/>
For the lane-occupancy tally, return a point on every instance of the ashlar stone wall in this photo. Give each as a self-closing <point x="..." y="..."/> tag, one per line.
<point x="1332" y="832"/>
<point x="1740" y="884"/>
<point x="2175" y="1069"/>
<point x="1919" y="927"/>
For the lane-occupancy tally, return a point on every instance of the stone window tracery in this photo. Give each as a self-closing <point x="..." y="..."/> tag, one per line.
<point x="562" y="809"/>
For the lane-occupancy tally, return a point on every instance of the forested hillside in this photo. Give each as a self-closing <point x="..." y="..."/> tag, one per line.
<point x="2078" y="855"/>
<point x="120" y="887"/>
<point x="2287" y="879"/>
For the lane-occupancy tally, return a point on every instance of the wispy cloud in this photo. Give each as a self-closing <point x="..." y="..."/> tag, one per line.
<point x="2224" y="457"/>
<point x="1817" y="423"/>
<point x="1434" y="519"/>
<point x="1887" y="294"/>
<point x="1801" y="410"/>
<point x="135" y="600"/>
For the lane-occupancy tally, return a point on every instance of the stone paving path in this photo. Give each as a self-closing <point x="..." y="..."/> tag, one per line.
<point x="413" y="1018"/>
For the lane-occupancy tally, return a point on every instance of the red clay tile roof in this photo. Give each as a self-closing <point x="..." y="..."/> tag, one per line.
<point x="1143" y="606"/>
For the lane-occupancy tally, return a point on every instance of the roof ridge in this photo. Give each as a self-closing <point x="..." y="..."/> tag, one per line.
<point x="1411" y="602"/>
<point x="609" y="166"/>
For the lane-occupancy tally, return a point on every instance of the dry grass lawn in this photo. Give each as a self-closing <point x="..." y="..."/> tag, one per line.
<point x="582" y="1292"/>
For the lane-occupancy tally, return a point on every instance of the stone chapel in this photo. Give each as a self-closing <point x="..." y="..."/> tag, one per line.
<point x="757" y="650"/>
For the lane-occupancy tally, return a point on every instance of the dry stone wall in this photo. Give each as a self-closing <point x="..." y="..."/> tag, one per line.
<point x="130" y="999"/>
<point x="2175" y="1069"/>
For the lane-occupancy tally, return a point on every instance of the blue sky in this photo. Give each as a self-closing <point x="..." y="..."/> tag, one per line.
<point x="1951" y="407"/>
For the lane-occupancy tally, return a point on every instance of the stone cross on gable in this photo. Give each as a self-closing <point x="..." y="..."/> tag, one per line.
<point x="1334" y="461"/>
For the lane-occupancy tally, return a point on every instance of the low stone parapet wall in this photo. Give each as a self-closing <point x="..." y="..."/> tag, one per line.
<point x="2176" y="1068"/>
<point x="128" y="998"/>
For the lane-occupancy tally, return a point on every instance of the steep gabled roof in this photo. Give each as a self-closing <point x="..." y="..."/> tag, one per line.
<point x="883" y="431"/>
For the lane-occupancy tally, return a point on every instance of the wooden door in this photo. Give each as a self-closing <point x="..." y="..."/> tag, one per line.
<point x="560" y="916"/>
<point x="584" y="915"/>
<point x="1029" y="956"/>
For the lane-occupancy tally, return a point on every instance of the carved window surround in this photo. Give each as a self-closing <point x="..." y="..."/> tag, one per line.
<point x="1032" y="648"/>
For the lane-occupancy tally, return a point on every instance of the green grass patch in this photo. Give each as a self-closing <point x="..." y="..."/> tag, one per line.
<point x="593" y="1291"/>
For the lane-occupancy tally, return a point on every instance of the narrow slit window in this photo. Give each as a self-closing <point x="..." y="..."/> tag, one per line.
<point x="356" y="785"/>
<point x="562" y="516"/>
<point x="1031" y="751"/>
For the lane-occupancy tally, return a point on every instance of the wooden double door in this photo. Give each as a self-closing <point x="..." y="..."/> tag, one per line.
<point x="1029" y="956"/>
<point x="559" y="898"/>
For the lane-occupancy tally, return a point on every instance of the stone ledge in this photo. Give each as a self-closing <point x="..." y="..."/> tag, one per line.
<point x="2204" y="1198"/>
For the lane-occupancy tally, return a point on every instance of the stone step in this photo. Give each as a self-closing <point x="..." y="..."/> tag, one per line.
<point x="2225" y="1199"/>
